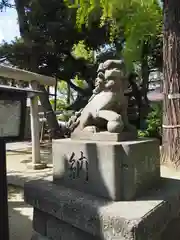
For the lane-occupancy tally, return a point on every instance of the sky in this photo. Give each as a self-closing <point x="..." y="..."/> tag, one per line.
<point x="8" y="25"/>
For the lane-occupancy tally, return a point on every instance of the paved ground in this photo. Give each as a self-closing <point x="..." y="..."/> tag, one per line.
<point x="20" y="214"/>
<point x="18" y="157"/>
<point x="18" y="145"/>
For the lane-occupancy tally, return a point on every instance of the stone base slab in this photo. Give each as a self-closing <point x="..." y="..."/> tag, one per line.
<point x="53" y="228"/>
<point x="86" y="215"/>
<point x="104" y="136"/>
<point x="114" y="170"/>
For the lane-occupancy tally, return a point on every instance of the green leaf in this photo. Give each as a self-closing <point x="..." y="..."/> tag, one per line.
<point x="138" y="19"/>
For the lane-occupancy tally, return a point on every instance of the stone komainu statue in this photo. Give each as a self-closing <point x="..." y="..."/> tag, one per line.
<point x="107" y="108"/>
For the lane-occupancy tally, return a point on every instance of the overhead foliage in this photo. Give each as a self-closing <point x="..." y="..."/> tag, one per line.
<point x="80" y="50"/>
<point x="49" y="34"/>
<point x="4" y="4"/>
<point x="136" y="20"/>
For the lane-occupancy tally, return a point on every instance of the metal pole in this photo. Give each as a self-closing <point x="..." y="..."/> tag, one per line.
<point x="4" y="221"/>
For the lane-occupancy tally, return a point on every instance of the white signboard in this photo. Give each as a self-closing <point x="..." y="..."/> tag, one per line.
<point x="10" y="114"/>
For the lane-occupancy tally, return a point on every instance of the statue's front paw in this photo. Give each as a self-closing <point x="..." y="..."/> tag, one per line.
<point x="115" y="126"/>
<point x="92" y="129"/>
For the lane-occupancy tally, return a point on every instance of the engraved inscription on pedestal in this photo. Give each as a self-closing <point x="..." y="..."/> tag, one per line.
<point x="78" y="166"/>
<point x="114" y="170"/>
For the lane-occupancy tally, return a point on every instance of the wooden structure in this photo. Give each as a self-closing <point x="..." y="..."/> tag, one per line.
<point x="33" y="79"/>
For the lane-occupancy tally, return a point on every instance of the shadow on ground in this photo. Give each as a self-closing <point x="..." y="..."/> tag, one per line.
<point x="20" y="215"/>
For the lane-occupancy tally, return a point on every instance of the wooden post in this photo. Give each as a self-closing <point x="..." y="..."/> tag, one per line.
<point x="171" y="85"/>
<point x="4" y="226"/>
<point x="35" y="130"/>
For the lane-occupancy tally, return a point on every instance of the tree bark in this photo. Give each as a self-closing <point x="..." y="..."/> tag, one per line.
<point x="171" y="84"/>
<point x="145" y="72"/>
<point x="68" y="94"/>
<point x="24" y="32"/>
<point x="50" y="115"/>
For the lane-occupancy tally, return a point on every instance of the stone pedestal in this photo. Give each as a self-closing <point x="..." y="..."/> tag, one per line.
<point x="114" y="170"/>
<point x="68" y="214"/>
<point x="103" y="190"/>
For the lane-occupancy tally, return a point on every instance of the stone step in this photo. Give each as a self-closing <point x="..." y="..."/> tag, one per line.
<point x="142" y="219"/>
<point x="53" y="228"/>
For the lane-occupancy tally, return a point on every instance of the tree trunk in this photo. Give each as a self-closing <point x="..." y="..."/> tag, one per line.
<point x="145" y="72"/>
<point x="68" y="94"/>
<point x="50" y="115"/>
<point x="171" y="84"/>
<point x="24" y="31"/>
